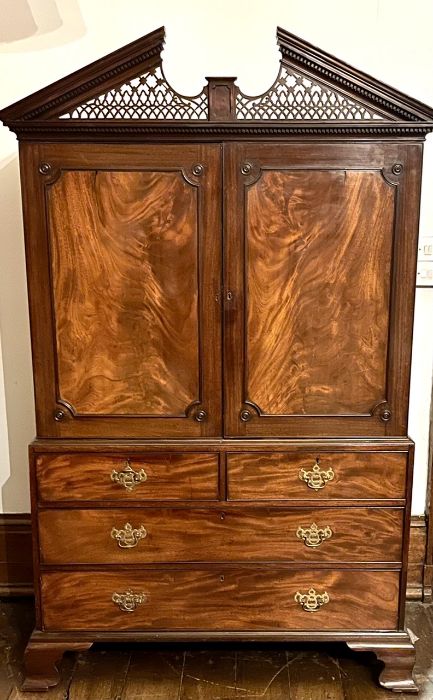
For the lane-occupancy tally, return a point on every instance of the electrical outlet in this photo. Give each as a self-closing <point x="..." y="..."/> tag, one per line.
<point x="424" y="274"/>
<point x="425" y="248"/>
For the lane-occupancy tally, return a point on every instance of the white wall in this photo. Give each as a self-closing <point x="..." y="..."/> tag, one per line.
<point x="43" y="40"/>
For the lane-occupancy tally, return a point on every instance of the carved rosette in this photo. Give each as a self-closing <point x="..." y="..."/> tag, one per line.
<point x="383" y="411"/>
<point x="248" y="411"/>
<point x="197" y="412"/>
<point x="49" y="172"/>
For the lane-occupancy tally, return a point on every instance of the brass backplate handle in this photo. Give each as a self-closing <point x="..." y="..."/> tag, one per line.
<point x="314" y="535"/>
<point x="311" y="601"/>
<point x="128" y="536"/>
<point x="128" y="478"/>
<point x="316" y="478"/>
<point x="128" y="601"/>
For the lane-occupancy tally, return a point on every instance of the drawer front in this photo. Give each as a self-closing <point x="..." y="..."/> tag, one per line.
<point x="92" y="477"/>
<point x="149" y="535"/>
<point x="284" y="475"/>
<point x="240" y="599"/>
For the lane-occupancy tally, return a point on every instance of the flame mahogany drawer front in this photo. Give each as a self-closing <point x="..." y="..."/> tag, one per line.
<point x="221" y="599"/>
<point x="321" y="475"/>
<point x="92" y="477"/>
<point x="146" y="535"/>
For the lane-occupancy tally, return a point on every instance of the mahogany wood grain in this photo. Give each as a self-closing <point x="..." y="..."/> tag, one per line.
<point x="129" y="300"/>
<point x="221" y="600"/>
<point x="126" y="339"/>
<point x="319" y="246"/>
<point x="156" y="671"/>
<point x="275" y="475"/>
<point x="87" y="477"/>
<point x="311" y="233"/>
<point x="233" y="534"/>
<point x="125" y="268"/>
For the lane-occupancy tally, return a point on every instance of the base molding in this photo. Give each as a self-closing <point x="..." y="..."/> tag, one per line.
<point x="16" y="576"/>
<point x="395" y="649"/>
<point x="41" y="659"/>
<point x="398" y="658"/>
<point x="16" y="566"/>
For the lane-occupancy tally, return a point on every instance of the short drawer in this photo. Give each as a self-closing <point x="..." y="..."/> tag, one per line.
<point x="285" y="475"/>
<point x="92" y="477"/>
<point x="150" y="535"/>
<point x="221" y="599"/>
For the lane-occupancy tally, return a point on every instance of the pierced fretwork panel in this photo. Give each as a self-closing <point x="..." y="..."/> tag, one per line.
<point x="148" y="96"/>
<point x="295" y="96"/>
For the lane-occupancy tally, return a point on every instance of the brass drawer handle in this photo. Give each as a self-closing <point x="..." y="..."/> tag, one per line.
<point x="128" y="477"/>
<point x="311" y="601"/>
<point x="313" y="536"/>
<point x="316" y="478"/>
<point x="128" y="601"/>
<point x="129" y="536"/>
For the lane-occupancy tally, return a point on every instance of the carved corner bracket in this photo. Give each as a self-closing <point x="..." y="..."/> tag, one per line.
<point x="382" y="410"/>
<point x="63" y="411"/>
<point x="248" y="411"/>
<point x="49" y="172"/>
<point x="196" y="412"/>
<point x="392" y="174"/>
<point x="250" y="172"/>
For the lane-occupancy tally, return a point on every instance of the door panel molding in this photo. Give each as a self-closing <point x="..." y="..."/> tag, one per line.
<point x="397" y="165"/>
<point x="199" y="168"/>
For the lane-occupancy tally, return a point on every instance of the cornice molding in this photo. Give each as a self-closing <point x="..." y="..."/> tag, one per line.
<point x="98" y="76"/>
<point x="38" y="116"/>
<point x="357" y="83"/>
<point x="63" y="130"/>
<point x="90" y="85"/>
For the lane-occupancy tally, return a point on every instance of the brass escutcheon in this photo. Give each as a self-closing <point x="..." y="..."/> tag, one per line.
<point x="128" y="477"/>
<point x="313" y="536"/>
<point x="316" y="478"/>
<point x="128" y="601"/>
<point x="311" y="601"/>
<point x="128" y="537"/>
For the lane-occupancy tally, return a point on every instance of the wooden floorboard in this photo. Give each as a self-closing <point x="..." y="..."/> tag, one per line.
<point x="100" y="675"/>
<point x="315" y="674"/>
<point x="262" y="673"/>
<point x="210" y="671"/>
<point x="154" y="675"/>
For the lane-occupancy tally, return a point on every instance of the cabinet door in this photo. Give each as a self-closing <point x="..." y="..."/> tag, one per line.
<point x="124" y="248"/>
<point x="320" y="263"/>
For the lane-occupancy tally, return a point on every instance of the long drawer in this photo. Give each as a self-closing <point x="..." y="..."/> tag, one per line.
<point x="240" y="599"/>
<point x="98" y="476"/>
<point x="339" y="475"/>
<point x="130" y="535"/>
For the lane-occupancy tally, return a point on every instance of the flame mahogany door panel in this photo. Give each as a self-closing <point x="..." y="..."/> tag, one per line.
<point x="320" y="245"/>
<point x="126" y="268"/>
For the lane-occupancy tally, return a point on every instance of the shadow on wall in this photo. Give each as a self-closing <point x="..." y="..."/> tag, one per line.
<point x="48" y="22"/>
<point x="15" y="340"/>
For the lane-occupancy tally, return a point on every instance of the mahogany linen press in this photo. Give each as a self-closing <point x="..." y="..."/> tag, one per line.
<point x="221" y="298"/>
